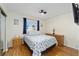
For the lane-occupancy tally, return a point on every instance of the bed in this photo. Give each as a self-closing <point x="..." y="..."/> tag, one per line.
<point x="39" y="43"/>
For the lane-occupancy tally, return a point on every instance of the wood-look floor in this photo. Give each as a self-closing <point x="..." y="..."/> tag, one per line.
<point x="20" y="49"/>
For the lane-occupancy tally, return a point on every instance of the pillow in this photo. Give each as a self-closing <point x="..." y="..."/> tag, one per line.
<point x="33" y="33"/>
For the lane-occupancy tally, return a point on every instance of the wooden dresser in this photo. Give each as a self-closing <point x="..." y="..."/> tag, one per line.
<point x="59" y="38"/>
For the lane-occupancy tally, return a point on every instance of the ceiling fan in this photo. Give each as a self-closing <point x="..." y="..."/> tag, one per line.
<point x="43" y="12"/>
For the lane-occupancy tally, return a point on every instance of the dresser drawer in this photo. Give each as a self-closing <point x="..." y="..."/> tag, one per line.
<point x="60" y="39"/>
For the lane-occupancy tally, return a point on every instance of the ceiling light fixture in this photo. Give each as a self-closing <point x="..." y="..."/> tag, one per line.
<point x="42" y="12"/>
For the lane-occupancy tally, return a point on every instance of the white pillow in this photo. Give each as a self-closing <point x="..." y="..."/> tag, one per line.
<point x="33" y="32"/>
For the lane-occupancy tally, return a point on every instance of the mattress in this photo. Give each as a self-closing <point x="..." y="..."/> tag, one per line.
<point x="39" y="43"/>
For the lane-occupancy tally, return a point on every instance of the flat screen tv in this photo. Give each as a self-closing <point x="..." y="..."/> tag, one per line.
<point x="76" y="12"/>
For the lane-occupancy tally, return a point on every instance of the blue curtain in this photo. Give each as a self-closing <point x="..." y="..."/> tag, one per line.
<point x="38" y="25"/>
<point x="24" y="25"/>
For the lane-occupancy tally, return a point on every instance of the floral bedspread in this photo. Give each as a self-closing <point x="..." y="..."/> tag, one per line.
<point x="39" y="43"/>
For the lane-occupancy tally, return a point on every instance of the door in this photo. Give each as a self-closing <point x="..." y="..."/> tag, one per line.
<point x="2" y="33"/>
<point x="1" y="44"/>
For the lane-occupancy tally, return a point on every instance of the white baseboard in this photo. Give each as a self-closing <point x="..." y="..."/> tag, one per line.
<point x="71" y="46"/>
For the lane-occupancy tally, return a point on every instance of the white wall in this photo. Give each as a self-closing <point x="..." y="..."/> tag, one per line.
<point x="64" y="25"/>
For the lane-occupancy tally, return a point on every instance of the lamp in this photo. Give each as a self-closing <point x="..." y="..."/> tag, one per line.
<point x="53" y="31"/>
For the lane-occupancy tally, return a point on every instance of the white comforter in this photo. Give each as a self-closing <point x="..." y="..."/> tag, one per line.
<point x="39" y="43"/>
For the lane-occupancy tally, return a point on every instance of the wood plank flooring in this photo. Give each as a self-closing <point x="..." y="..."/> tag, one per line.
<point x="20" y="49"/>
<point x="61" y="51"/>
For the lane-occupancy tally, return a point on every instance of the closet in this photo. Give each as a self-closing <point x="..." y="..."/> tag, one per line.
<point x="2" y="31"/>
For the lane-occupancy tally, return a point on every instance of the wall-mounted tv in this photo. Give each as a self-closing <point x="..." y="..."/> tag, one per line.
<point x="76" y="12"/>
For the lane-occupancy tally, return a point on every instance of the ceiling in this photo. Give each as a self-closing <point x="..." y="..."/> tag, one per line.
<point x="32" y="9"/>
